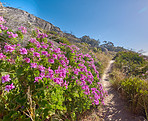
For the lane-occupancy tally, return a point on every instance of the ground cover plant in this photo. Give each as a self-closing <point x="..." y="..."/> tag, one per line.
<point x="130" y="77"/>
<point x="40" y="81"/>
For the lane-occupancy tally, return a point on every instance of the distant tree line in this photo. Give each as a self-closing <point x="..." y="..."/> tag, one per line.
<point x="96" y="43"/>
<point x="88" y="40"/>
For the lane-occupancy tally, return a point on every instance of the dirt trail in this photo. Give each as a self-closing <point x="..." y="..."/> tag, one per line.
<point x="115" y="109"/>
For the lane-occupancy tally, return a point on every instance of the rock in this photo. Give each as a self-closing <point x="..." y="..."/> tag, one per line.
<point x="16" y="18"/>
<point x="2" y="9"/>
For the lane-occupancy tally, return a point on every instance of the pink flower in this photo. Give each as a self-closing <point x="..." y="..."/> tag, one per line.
<point x="23" y="29"/>
<point x="93" y="89"/>
<point x="73" y="77"/>
<point x="32" y="40"/>
<point x="49" y="76"/>
<point x="42" y="43"/>
<point x="3" y="27"/>
<point x="77" y="81"/>
<point x="2" y="56"/>
<point x="38" y="45"/>
<point x="37" y="79"/>
<point x="18" y="45"/>
<point x="41" y="68"/>
<point x="83" y="83"/>
<point x="31" y="49"/>
<point x="62" y="62"/>
<point x="54" y="56"/>
<point x="51" y="49"/>
<point x="86" y="92"/>
<point x="33" y="65"/>
<point x="57" y="50"/>
<point x="85" y="87"/>
<point x="36" y="54"/>
<point x="51" y="60"/>
<point x="11" y="35"/>
<point x="96" y="102"/>
<point x="9" y="87"/>
<point x="44" y="52"/>
<point x="27" y="60"/>
<point x="42" y="74"/>
<point x="14" y="35"/>
<point x="65" y="84"/>
<point x="48" y="55"/>
<point x="5" y="78"/>
<point x="2" y="20"/>
<point x="6" y="28"/>
<point x="12" y="61"/>
<point x="42" y="35"/>
<point x="50" y="71"/>
<point x="9" y="48"/>
<point x="23" y="51"/>
<point x="58" y="81"/>
<point x="44" y="46"/>
<point x="76" y="71"/>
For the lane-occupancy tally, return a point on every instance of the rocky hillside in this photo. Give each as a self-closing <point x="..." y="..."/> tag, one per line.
<point x="16" y="18"/>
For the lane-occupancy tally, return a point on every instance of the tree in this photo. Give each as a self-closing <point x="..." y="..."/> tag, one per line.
<point x="92" y="42"/>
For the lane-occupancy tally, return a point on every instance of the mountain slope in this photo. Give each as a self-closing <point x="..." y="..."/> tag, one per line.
<point x="16" y="18"/>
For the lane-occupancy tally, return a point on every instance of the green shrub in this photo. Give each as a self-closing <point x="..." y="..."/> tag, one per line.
<point x="53" y="33"/>
<point x="135" y="91"/>
<point x="130" y="76"/>
<point x="62" y="40"/>
<point x="132" y="63"/>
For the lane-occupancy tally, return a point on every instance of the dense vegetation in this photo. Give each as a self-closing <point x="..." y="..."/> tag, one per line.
<point x="130" y="77"/>
<point x="40" y="81"/>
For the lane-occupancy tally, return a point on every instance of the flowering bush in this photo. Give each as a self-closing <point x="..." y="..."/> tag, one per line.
<point x="39" y="81"/>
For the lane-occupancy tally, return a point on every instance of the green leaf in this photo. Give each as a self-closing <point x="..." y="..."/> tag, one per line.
<point x="4" y="73"/>
<point x="9" y="116"/>
<point x="46" y="112"/>
<point x="21" y="100"/>
<point x="43" y="103"/>
<point x="76" y="95"/>
<point x="20" y="71"/>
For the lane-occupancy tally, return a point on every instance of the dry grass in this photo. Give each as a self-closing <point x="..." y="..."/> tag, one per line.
<point x="115" y="77"/>
<point x="103" y="59"/>
<point x="138" y="101"/>
<point x="92" y="114"/>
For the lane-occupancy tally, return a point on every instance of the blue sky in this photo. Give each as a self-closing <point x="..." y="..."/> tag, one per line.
<point x="123" y="22"/>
